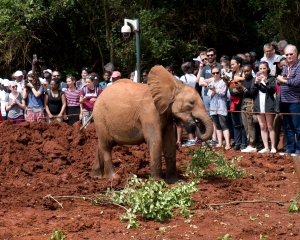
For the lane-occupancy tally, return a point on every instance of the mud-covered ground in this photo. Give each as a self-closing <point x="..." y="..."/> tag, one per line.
<point x="39" y="160"/>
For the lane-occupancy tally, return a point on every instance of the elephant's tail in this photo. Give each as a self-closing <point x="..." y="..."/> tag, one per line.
<point x="87" y="121"/>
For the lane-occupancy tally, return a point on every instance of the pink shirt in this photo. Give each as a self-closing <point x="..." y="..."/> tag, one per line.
<point x="89" y="105"/>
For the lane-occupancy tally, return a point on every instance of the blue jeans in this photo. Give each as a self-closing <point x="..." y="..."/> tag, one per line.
<point x="291" y="126"/>
<point x="85" y="117"/>
<point x="240" y="136"/>
<point x="206" y="101"/>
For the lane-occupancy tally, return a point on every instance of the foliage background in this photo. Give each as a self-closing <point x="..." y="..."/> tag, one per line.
<point x="69" y="34"/>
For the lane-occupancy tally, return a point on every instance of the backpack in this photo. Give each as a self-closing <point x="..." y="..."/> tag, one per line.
<point x="85" y="90"/>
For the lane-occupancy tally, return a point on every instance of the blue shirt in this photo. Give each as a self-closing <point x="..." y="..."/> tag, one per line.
<point x="34" y="101"/>
<point x="290" y="92"/>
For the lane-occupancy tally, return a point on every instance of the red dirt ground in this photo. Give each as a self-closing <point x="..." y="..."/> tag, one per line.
<point x="40" y="159"/>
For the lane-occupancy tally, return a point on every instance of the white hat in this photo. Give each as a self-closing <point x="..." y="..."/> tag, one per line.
<point x="198" y="59"/>
<point x="5" y="82"/>
<point x="29" y="72"/>
<point x="18" y="73"/>
<point x="42" y="80"/>
<point x="10" y="82"/>
<point x="48" y="70"/>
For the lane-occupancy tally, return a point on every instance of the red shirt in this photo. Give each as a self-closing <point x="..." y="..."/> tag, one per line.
<point x="88" y="95"/>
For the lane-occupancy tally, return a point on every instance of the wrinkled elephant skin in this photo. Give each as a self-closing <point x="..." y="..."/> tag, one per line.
<point x="132" y="113"/>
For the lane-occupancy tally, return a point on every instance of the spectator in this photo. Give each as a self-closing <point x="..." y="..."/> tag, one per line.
<point x="72" y="98"/>
<point x="3" y="94"/>
<point x="254" y="62"/>
<point x="189" y="79"/>
<point x="281" y="46"/>
<point x="15" y="105"/>
<point x="269" y="57"/>
<point x="248" y="56"/>
<point x="145" y="76"/>
<point x="62" y="84"/>
<point x="131" y="76"/>
<point x="197" y="63"/>
<point x="47" y="73"/>
<point x="109" y="67"/>
<point x="290" y="98"/>
<point x="205" y="79"/>
<point x="33" y="92"/>
<point x="19" y="79"/>
<point x="88" y="96"/>
<point x="82" y="82"/>
<point x="247" y="107"/>
<point x="224" y="57"/>
<point x="170" y="69"/>
<point x="263" y="90"/>
<point x="236" y="93"/>
<point x="217" y="93"/>
<point x="54" y="102"/>
<point x="106" y="79"/>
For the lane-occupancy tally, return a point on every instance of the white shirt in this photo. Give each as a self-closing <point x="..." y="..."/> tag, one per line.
<point x="20" y="85"/>
<point x="2" y="100"/>
<point x="189" y="79"/>
<point x="270" y="61"/>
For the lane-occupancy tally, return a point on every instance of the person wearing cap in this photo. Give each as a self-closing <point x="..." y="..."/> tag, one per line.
<point x="117" y="75"/>
<point x="19" y="80"/>
<point x="47" y="73"/>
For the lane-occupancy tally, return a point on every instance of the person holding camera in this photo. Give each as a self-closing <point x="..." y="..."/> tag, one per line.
<point x="15" y="105"/>
<point x="264" y="88"/>
<point x="33" y="92"/>
<point x="218" y="106"/>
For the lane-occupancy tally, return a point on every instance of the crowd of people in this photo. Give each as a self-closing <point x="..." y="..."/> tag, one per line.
<point x="250" y="101"/>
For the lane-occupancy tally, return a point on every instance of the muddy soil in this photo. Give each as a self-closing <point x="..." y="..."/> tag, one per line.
<point x="39" y="160"/>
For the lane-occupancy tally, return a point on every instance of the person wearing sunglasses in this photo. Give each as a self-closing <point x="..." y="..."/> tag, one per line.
<point x="33" y="92"/>
<point x="205" y="79"/>
<point x="218" y="106"/>
<point x="145" y="76"/>
<point x="289" y="81"/>
<point x="15" y="105"/>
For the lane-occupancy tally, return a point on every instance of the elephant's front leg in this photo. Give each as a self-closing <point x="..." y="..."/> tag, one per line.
<point x="169" y="150"/>
<point x="153" y="138"/>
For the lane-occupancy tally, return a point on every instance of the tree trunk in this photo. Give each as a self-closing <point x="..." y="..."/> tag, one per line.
<point x="107" y="28"/>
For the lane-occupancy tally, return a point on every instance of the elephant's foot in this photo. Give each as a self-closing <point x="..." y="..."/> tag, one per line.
<point x="172" y="179"/>
<point x="97" y="173"/>
<point x="156" y="177"/>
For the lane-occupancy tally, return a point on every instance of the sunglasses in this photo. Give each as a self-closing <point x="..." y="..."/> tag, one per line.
<point x="14" y="86"/>
<point x="55" y="75"/>
<point x="88" y="77"/>
<point x="144" y="75"/>
<point x="215" y="73"/>
<point x="210" y="55"/>
<point x="289" y="54"/>
<point x="204" y="59"/>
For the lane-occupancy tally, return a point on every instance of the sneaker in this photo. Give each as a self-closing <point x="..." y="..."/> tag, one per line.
<point x="297" y="153"/>
<point x="273" y="150"/>
<point x="285" y="153"/>
<point x="243" y="146"/>
<point x="249" y="149"/>
<point x="189" y="143"/>
<point x="212" y="143"/>
<point x="264" y="150"/>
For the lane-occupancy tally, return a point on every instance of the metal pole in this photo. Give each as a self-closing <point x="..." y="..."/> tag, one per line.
<point x="138" y="51"/>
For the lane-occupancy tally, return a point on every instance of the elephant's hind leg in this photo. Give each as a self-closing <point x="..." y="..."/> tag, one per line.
<point x="98" y="166"/>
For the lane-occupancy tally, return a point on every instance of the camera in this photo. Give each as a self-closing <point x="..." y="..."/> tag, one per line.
<point x="26" y="81"/>
<point x="126" y="30"/>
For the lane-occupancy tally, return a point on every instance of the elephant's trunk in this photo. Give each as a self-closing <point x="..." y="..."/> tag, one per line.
<point x="204" y="126"/>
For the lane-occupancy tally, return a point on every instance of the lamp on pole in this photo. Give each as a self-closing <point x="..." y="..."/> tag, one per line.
<point x="126" y="30"/>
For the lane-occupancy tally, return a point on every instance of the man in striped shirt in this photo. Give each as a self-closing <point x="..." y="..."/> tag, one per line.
<point x="290" y="99"/>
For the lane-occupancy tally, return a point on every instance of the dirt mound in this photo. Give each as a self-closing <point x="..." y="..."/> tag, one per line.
<point x="39" y="159"/>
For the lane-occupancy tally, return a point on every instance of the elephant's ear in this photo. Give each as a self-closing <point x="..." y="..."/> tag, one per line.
<point x="162" y="85"/>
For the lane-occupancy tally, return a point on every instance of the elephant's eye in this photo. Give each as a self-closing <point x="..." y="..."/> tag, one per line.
<point x="192" y="101"/>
